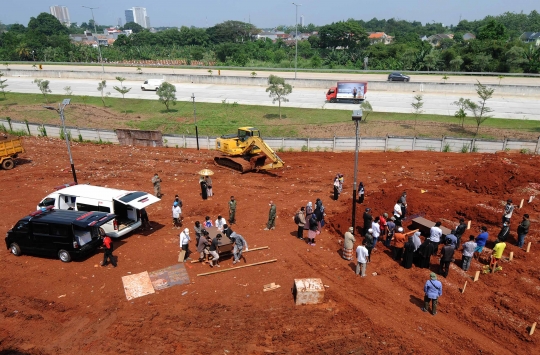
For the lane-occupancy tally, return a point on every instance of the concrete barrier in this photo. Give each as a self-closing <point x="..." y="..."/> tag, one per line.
<point x="418" y="87"/>
<point x="388" y="143"/>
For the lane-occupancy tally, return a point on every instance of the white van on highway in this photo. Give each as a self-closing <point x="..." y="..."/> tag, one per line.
<point x="151" y="84"/>
<point x="124" y="204"/>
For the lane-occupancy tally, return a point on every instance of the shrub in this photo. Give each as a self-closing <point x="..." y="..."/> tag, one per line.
<point x="446" y="148"/>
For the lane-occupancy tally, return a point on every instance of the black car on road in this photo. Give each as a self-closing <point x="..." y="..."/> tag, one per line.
<point x="397" y="76"/>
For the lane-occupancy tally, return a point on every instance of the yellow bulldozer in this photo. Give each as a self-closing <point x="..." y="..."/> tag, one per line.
<point x="246" y="151"/>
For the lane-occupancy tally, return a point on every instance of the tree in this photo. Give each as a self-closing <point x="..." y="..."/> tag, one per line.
<point x="461" y="113"/>
<point x="417" y="106"/>
<point x="101" y="87"/>
<point x="122" y="90"/>
<point x="3" y="86"/>
<point x="456" y="63"/>
<point x="135" y="27"/>
<point x="43" y="86"/>
<point x="278" y="90"/>
<point x="367" y="109"/>
<point x="167" y="94"/>
<point x="22" y="51"/>
<point x="432" y="59"/>
<point x="479" y="110"/>
<point x="515" y="58"/>
<point x="232" y="31"/>
<point x="347" y="35"/>
<point x="493" y="30"/>
<point x="46" y="24"/>
<point x="68" y="90"/>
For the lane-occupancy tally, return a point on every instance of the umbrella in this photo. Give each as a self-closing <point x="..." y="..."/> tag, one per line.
<point x="206" y="172"/>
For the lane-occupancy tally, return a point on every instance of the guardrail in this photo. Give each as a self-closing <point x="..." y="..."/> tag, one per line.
<point x="381" y="144"/>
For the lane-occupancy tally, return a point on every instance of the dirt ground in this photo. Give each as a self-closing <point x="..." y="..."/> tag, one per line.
<point x="48" y="307"/>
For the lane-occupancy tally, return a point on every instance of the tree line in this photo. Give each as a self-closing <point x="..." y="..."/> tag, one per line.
<point x="344" y="44"/>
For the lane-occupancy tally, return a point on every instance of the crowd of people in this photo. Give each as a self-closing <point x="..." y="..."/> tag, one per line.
<point x="312" y="220"/>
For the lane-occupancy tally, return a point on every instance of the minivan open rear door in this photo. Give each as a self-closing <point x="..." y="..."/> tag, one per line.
<point x="138" y="199"/>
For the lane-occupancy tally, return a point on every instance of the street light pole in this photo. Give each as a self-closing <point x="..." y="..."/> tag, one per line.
<point x="60" y="110"/>
<point x="195" y="118"/>
<point x="97" y="39"/>
<point x="356" y="117"/>
<point x="296" y="40"/>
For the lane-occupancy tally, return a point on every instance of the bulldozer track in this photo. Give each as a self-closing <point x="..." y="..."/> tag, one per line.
<point x="237" y="164"/>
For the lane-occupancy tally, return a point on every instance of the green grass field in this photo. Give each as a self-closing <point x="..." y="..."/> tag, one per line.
<point x="217" y="119"/>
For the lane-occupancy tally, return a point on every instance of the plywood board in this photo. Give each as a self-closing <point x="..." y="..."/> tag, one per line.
<point x="137" y="285"/>
<point x="168" y="277"/>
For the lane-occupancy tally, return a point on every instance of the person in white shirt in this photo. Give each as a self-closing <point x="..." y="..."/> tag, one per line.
<point x="220" y="222"/>
<point x="397" y="213"/>
<point x="184" y="243"/>
<point x="435" y="234"/>
<point x="362" y="258"/>
<point x="176" y="215"/>
<point x="375" y="226"/>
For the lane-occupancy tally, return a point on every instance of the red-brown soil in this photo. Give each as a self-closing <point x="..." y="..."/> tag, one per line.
<point x="48" y="307"/>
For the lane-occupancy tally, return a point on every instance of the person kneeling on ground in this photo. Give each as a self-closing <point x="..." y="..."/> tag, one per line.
<point x="239" y="245"/>
<point x="214" y="251"/>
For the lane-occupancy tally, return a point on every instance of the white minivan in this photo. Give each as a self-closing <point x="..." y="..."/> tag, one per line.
<point x="124" y="204"/>
<point x="151" y="84"/>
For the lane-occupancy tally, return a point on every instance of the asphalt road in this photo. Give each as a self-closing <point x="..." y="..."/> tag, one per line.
<point x="437" y="78"/>
<point x="440" y="103"/>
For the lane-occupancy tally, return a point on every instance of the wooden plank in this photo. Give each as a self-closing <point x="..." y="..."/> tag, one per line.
<point x="272" y="288"/>
<point x="238" y="267"/>
<point x="469" y="225"/>
<point x="511" y="256"/>
<point x="464" y="286"/>
<point x="531" y="198"/>
<point x="476" y="276"/>
<point x="533" y="327"/>
<point x="245" y="251"/>
<point x="181" y="256"/>
<point x="521" y="203"/>
<point x="528" y="247"/>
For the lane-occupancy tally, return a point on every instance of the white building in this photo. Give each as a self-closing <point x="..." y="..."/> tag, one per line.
<point x="139" y="16"/>
<point x="61" y="13"/>
<point x="302" y="20"/>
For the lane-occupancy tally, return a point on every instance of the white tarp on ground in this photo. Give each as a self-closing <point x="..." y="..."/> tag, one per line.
<point x="137" y="285"/>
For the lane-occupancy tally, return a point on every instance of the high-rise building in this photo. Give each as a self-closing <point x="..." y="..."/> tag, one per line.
<point x="147" y="20"/>
<point x="119" y="22"/>
<point x="302" y="20"/>
<point x="61" y="13"/>
<point x="129" y="16"/>
<point x="139" y="16"/>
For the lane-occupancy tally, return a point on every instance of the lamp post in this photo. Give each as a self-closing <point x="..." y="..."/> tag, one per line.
<point x="97" y="39"/>
<point x="296" y="39"/>
<point x="356" y="117"/>
<point x="195" y="118"/>
<point x="60" y="110"/>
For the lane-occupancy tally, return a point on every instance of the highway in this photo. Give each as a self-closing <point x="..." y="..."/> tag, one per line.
<point x="435" y="103"/>
<point x="436" y="78"/>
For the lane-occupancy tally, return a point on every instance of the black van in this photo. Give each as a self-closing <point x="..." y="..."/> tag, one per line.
<point x="66" y="234"/>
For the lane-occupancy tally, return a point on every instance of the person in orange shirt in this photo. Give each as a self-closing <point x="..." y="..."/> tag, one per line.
<point x="398" y="242"/>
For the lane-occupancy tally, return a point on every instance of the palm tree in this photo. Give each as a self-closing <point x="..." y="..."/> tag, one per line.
<point x="22" y="51"/>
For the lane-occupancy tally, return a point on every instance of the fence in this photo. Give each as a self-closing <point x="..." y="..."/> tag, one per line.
<point x="382" y="144"/>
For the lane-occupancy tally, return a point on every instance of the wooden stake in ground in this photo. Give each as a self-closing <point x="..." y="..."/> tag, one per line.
<point x="469" y="225"/>
<point x="476" y="276"/>
<point x="533" y="327"/>
<point x="511" y="256"/>
<point x="245" y="251"/>
<point x="528" y="247"/>
<point x="521" y="204"/>
<point x="238" y="267"/>
<point x="464" y="286"/>
<point x="181" y="256"/>
<point x="531" y="198"/>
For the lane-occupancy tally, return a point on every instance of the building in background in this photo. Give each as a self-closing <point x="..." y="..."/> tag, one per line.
<point x="139" y="16"/>
<point x="61" y="13"/>
<point x="147" y="20"/>
<point x="119" y="22"/>
<point x="129" y="16"/>
<point x="302" y="20"/>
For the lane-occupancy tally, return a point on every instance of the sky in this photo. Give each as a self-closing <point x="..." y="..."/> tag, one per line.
<point x="268" y="13"/>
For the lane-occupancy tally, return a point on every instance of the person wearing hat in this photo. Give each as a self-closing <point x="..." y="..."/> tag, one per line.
<point x="184" y="243"/>
<point x="390" y="230"/>
<point x="447" y="255"/>
<point x="508" y="210"/>
<point x="176" y="215"/>
<point x="156" y="181"/>
<point x="432" y="292"/>
<point x="368" y="219"/>
<point x="348" y="244"/>
<point x="361" y="192"/>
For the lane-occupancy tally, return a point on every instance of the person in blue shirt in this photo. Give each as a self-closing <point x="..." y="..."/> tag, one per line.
<point x="452" y="237"/>
<point x="432" y="290"/>
<point x="481" y="240"/>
